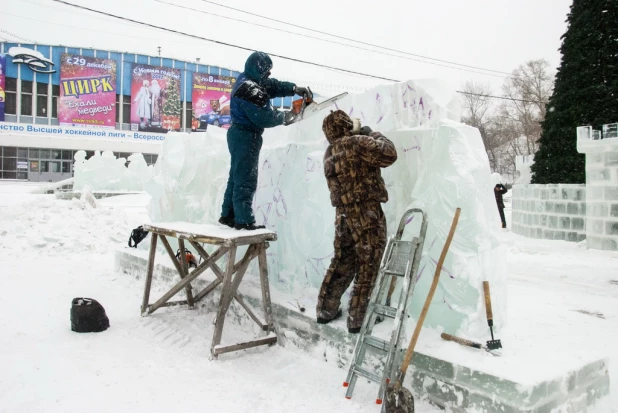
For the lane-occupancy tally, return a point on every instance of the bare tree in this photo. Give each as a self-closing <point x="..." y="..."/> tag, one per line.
<point x="529" y="89"/>
<point x="477" y="108"/>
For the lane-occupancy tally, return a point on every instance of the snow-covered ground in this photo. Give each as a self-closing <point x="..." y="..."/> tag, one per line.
<point x="52" y="251"/>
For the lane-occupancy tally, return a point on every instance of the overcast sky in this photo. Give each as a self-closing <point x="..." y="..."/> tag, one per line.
<point x="491" y="34"/>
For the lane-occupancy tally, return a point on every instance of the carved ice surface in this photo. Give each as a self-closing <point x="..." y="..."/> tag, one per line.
<point x="441" y="165"/>
<point x="103" y="172"/>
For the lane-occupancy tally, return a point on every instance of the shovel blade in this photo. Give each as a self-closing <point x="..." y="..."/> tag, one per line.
<point x="397" y="401"/>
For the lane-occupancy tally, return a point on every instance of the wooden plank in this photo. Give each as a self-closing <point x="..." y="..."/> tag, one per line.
<point x="235" y="237"/>
<point x="179" y="268"/>
<point x="185" y="270"/>
<point x="237" y="296"/>
<point x="241" y="346"/>
<point x="251" y="253"/>
<point x="227" y="283"/>
<point x="149" y="271"/>
<point x="263" y="265"/>
<point x="183" y="283"/>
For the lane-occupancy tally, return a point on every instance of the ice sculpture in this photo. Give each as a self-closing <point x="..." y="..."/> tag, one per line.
<point x="442" y="164"/>
<point x="105" y="172"/>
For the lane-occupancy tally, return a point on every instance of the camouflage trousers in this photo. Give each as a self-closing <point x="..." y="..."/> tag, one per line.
<point x="360" y="238"/>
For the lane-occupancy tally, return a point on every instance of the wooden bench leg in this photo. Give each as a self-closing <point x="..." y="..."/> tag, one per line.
<point x="149" y="271"/>
<point x="225" y="291"/>
<point x="185" y="272"/>
<point x="263" y="264"/>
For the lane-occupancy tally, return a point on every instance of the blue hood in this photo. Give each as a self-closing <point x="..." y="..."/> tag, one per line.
<point x="258" y="66"/>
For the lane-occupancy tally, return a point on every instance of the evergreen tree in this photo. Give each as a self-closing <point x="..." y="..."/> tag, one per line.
<point x="585" y="92"/>
<point x="172" y="106"/>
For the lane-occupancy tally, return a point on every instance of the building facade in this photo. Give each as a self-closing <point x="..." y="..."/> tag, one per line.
<point x="35" y="146"/>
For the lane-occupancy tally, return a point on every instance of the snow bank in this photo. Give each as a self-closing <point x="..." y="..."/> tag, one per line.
<point x="442" y="165"/>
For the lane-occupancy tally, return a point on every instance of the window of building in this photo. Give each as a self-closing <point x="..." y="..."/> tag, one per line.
<point x="22" y="153"/>
<point x="44" y="153"/>
<point x="41" y="99"/>
<point x="33" y="153"/>
<point x="56" y="154"/>
<point x="55" y="95"/>
<point x="66" y="167"/>
<point x="10" y="105"/>
<point x="189" y="115"/>
<point x="44" y="166"/>
<point x="9" y="164"/>
<point x="67" y="155"/>
<point x="9" y="175"/>
<point x="26" y="98"/>
<point x="126" y="109"/>
<point x="10" y="152"/>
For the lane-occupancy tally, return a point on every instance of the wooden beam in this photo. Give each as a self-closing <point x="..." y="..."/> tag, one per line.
<point x="227" y="283"/>
<point x="237" y="296"/>
<point x="149" y="271"/>
<point x="241" y="346"/>
<point x="183" y="283"/>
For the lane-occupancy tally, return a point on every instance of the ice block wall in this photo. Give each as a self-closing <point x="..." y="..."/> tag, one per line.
<point x="601" y="186"/>
<point x="441" y="165"/>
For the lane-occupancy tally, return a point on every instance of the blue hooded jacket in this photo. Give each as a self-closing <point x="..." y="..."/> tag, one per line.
<point x="251" y="94"/>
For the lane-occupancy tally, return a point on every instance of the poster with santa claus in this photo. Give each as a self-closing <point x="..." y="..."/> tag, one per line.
<point x="155" y="99"/>
<point x="211" y="101"/>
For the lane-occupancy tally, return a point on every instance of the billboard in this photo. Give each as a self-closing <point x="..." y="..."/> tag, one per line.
<point x="2" y="85"/>
<point x="155" y="98"/>
<point x="87" y="91"/>
<point x="211" y="101"/>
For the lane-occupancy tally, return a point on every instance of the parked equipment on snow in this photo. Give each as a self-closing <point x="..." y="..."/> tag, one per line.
<point x="401" y="260"/>
<point x="88" y="316"/>
<point x="137" y="236"/>
<point x="398" y="399"/>
<point x="468" y="343"/>
<point x="491" y="344"/>
<point x="307" y="107"/>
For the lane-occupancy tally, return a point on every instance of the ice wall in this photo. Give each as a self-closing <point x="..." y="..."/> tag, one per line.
<point x="103" y="172"/>
<point x="442" y="164"/>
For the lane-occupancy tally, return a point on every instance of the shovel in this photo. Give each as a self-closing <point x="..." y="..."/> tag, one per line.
<point x="398" y="399"/>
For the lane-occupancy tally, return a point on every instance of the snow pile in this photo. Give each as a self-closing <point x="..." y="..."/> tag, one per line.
<point x="104" y="172"/>
<point x="41" y="226"/>
<point x="442" y="165"/>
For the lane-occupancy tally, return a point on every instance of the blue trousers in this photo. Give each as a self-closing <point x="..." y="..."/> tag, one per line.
<point x="244" y="145"/>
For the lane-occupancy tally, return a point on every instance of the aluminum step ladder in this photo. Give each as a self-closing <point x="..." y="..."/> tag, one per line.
<point x="400" y="262"/>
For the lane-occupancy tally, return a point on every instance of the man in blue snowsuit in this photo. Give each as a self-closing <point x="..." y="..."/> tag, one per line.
<point x="251" y="112"/>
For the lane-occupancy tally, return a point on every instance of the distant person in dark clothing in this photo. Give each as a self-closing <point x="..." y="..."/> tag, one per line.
<point x="500" y="190"/>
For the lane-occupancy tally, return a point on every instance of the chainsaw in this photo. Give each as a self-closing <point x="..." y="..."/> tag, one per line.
<point x="306" y="107"/>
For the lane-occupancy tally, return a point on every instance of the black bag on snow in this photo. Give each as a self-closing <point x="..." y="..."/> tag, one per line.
<point x="137" y="236"/>
<point x="88" y="316"/>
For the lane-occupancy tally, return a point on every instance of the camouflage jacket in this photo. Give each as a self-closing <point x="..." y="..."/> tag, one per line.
<point x="352" y="168"/>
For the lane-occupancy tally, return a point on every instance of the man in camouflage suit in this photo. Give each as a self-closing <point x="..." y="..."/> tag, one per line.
<point x="352" y="165"/>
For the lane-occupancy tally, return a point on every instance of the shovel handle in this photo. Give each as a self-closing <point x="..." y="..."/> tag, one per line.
<point x="490" y="314"/>
<point x="432" y="290"/>
<point x="461" y="341"/>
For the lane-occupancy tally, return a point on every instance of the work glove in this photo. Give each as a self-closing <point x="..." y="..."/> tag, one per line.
<point x="365" y="130"/>
<point x="290" y="117"/>
<point x="303" y="91"/>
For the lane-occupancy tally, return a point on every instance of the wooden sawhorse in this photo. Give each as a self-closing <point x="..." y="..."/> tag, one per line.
<point x="228" y="240"/>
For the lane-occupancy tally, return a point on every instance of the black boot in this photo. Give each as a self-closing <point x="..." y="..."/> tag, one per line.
<point x="354" y="330"/>
<point x="327" y="320"/>
<point x="249" y="227"/>
<point x="229" y="221"/>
